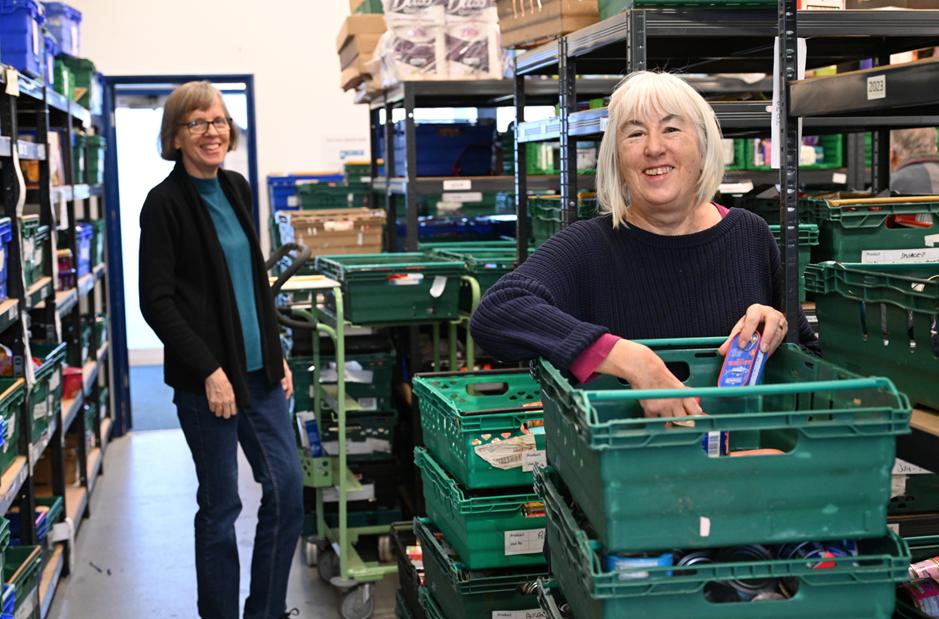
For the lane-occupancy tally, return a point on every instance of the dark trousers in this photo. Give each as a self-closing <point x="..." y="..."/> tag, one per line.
<point x="267" y="438"/>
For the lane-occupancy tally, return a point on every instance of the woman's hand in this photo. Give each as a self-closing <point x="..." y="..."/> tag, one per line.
<point x="643" y="369"/>
<point x="774" y="329"/>
<point x="220" y="394"/>
<point x="287" y="381"/>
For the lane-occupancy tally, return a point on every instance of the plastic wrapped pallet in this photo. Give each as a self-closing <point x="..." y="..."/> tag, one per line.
<point x="525" y="24"/>
<point x="474" y="50"/>
<point x="411" y="13"/>
<point x="411" y="53"/>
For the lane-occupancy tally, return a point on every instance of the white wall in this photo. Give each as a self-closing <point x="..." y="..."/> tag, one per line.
<point x="289" y="47"/>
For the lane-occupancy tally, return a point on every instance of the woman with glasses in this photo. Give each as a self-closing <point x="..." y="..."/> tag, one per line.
<point x="204" y="291"/>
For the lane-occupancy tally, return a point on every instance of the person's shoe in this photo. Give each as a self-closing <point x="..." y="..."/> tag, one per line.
<point x="290" y="613"/>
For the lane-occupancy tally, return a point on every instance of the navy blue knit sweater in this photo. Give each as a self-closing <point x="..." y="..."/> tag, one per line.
<point x="591" y="279"/>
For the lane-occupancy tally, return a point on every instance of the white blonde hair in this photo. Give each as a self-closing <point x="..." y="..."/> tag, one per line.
<point x="638" y="95"/>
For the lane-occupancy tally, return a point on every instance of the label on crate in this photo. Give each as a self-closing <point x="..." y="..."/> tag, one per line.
<point x="458" y="185"/>
<point x="28" y="247"/>
<point x="293" y="201"/>
<point x="536" y="613"/>
<point x="877" y="87"/>
<point x="11" y="315"/>
<point x="440" y="283"/>
<point x="839" y="178"/>
<point x="902" y="467"/>
<point x="368" y="404"/>
<point x="54" y="380"/>
<point x="894" y="527"/>
<point x="37" y="256"/>
<point x="877" y="256"/>
<point x="508" y="453"/>
<point x="41" y="410"/>
<point x="405" y="279"/>
<point x="528" y="542"/>
<point x="461" y="197"/>
<point x="897" y="485"/>
<point x="531" y="458"/>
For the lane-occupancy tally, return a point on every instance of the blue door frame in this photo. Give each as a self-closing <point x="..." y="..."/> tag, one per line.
<point x="123" y="419"/>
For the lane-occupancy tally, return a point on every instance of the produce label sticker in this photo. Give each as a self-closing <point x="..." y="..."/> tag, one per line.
<point x="527" y="542"/>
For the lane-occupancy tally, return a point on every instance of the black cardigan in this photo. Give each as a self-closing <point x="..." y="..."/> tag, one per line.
<point x="186" y="294"/>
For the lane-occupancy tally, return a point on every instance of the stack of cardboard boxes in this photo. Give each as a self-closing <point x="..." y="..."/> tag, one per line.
<point x="356" y="45"/>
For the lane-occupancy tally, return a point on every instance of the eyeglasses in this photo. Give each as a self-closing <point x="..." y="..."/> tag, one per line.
<point x="198" y="127"/>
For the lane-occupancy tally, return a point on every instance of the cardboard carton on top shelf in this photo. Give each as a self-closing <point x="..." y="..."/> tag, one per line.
<point x="358" y="46"/>
<point x="359" y="24"/>
<point x="526" y="25"/>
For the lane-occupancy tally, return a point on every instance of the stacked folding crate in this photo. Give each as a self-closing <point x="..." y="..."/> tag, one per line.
<point x="484" y="534"/>
<point x="623" y="492"/>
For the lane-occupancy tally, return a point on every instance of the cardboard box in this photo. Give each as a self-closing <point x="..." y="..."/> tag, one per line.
<point x="359" y="45"/>
<point x="351" y="77"/>
<point x="359" y="24"/>
<point x="525" y="24"/>
<point x="337" y="231"/>
<point x="354" y="4"/>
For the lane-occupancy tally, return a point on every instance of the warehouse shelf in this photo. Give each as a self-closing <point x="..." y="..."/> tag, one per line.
<point x="76" y="500"/>
<point x="94" y="467"/>
<point x="50" y="578"/>
<point x="31" y="150"/>
<point x="106" y="427"/>
<point x="9" y="312"/>
<point x="12" y="481"/>
<point x="72" y="192"/>
<point x="66" y="300"/>
<point x="70" y="409"/>
<point x="37" y="292"/>
<point x="33" y="89"/>
<point x="91" y="368"/>
<point x="485" y="184"/>
<point x="736" y="40"/>
<point x="837" y="176"/>
<point x="482" y="93"/>
<point x="36" y="449"/>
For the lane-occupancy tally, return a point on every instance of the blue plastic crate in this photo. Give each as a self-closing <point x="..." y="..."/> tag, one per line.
<point x="21" y="36"/>
<point x="448" y="149"/>
<point x="6" y="235"/>
<point x="64" y="23"/>
<point x="50" y="49"/>
<point x="283" y="187"/>
<point x="9" y="601"/>
<point x="85" y="234"/>
<point x="464" y="229"/>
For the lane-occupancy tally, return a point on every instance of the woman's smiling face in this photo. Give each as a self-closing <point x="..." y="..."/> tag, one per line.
<point x="660" y="160"/>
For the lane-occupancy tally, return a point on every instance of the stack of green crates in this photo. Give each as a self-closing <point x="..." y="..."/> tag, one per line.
<point x="84" y="72"/>
<point x="22" y="566"/>
<point x="879" y="319"/>
<point x="393" y="288"/>
<point x="316" y="195"/>
<point x="546" y="214"/>
<point x="96" y="147"/>
<point x="64" y="81"/>
<point x="45" y="398"/>
<point x="12" y="394"/>
<point x="54" y="506"/>
<point x="33" y="237"/>
<point x="97" y="241"/>
<point x="483" y="432"/>
<point x="623" y="484"/>
<point x="485" y="265"/>
<point x="78" y="157"/>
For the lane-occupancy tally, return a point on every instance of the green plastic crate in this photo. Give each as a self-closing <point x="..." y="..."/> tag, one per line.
<point x="97" y="241"/>
<point x="84" y="72"/>
<point x="21" y="568"/>
<point x="833" y="146"/>
<point x="12" y="394"/>
<point x="96" y="147"/>
<point x="456" y="417"/>
<point x="865" y="315"/>
<point x="402" y="610"/>
<point x="370" y="435"/>
<point x="845" y="232"/>
<point x="467" y="246"/>
<point x="64" y="80"/>
<point x="487" y="266"/>
<point x="546" y="214"/>
<point x="29" y="238"/>
<point x="45" y="398"/>
<point x="393" y="288"/>
<point x="921" y="496"/>
<point x="862" y="587"/>
<point x="609" y="8"/>
<point x="5" y="535"/>
<point x="358" y="172"/>
<point x="459" y="593"/>
<point x="644" y="485"/>
<point x="78" y="158"/>
<point x="55" y="506"/>
<point x="808" y="238"/>
<point x="378" y="368"/>
<point x="768" y="209"/>
<point x="323" y="195"/>
<point x="488" y="527"/>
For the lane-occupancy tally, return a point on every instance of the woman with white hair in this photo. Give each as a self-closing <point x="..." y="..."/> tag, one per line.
<point x="661" y="260"/>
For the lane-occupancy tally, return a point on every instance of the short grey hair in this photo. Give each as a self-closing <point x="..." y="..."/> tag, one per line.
<point x="638" y="94"/>
<point x="909" y="143"/>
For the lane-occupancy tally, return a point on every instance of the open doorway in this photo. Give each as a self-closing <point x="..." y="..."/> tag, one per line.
<point x="138" y="111"/>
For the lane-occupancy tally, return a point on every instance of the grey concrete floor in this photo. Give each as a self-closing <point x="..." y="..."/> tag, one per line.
<point x="141" y="530"/>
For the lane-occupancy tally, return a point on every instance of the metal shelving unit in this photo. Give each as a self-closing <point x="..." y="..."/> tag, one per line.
<point x="32" y="106"/>
<point x="908" y="92"/>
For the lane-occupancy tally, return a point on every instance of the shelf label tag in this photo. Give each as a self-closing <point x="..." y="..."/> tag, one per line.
<point x="12" y="79"/>
<point x="461" y="197"/>
<point x="603" y="123"/>
<point x="877" y="87"/>
<point x="839" y="178"/>
<point x="458" y="185"/>
<point x="527" y="542"/>
<point x="895" y="528"/>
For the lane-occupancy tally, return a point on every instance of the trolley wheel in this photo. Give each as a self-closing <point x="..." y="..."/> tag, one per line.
<point x="385" y="553"/>
<point x="311" y="552"/>
<point x="328" y="565"/>
<point x="357" y="603"/>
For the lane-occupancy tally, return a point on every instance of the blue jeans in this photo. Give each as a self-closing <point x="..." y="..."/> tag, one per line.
<point x="266" y="436"/>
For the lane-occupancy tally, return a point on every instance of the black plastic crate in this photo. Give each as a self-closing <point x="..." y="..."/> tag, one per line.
<point x="402" y="536"/>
